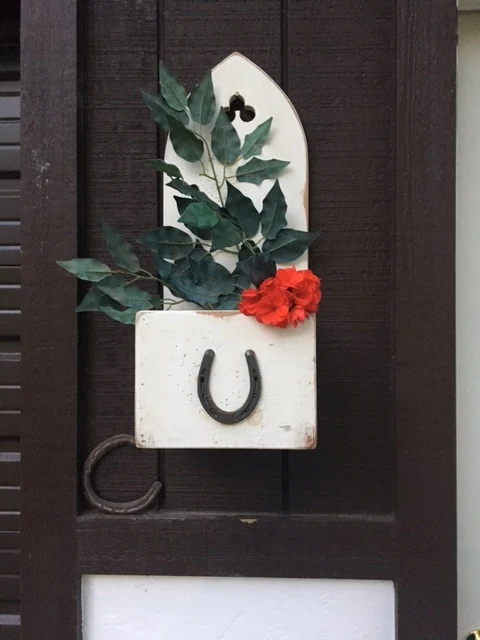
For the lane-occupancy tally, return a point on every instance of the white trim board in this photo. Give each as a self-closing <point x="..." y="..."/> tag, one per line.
<point x="468" y="5"/>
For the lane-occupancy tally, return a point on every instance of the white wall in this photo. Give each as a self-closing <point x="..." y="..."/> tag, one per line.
<point x="168" y="608"/>
<point x="468" y="322"/>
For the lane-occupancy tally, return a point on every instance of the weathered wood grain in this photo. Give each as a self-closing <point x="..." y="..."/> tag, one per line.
<point x="344" y="90"/>
<point x="49" y="343"/>
<point x="425" y="321"/>
<point x="120" y="58"/>
<point x="240" y="544"/>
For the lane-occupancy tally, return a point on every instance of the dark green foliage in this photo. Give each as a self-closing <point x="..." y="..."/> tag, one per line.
<point x="230" y="222"/>
<point x="256" y="170"/>
<point x="201" y="101"/>
<point x="121" y="251"/>
<point x="242" y="210"/>
<point x="254" y="141"/>
<point x="168" y="242"/>
<point x="171" y="89"/>
<point x="163" y="167"/>
<point x="185" y="143"/>
<point x="225" y="234"/>
<point x="273" y="213"/>
<point x="225" y="139"/>
<point x="258" y="268"/>
<point x="86" y="268"/>
<point x="289" y="244"/>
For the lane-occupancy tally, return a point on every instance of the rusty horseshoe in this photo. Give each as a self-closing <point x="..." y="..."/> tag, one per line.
<point x="108" y="506"/>
<point x="205" y="396"/>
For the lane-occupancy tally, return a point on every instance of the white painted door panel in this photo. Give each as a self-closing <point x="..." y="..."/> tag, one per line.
<point x="468" y="322"/>
<point x="183" y="608"/>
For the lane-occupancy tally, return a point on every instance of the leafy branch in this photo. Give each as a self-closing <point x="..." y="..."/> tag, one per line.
<point x="184" y="261"/>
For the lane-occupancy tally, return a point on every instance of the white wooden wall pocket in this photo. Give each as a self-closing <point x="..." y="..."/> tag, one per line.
<point x="232" y="363"/>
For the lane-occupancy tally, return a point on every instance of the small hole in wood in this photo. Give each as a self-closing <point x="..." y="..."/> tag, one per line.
<point x="237" y="105"/>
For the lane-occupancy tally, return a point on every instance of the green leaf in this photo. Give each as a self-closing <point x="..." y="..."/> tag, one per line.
<point x="199" y="215"/>
<point x="180" y="266"/>
<point x="225" y="139"/>
<point x="171" y="89"/>
<point x="128" y="296"/>
<point x="258" y="268"/>
<point x="184" y="142"/>
<point x="241" y="278"/>
<point x="190" y="290"/>
<point x="94" y="300"/>
<point x="121" y="251"/>
<point x="200" y="253"/>
<point x="157" y="302"/>
<point x="242" y="209"/>
<point x="114" y="281"/>
<point x="201" y="101"/>
<point x="203" y="234"/>
<point x="212" y="275"/>
<point x="273" y="213"/>
<point x="228" y="303"/>
<point x="254" y="141"/>
<point x="192" y="191"/>
<point x="168" y="242"/>
<point x="225" y="234"/>
<point x="125" y="317"/>
<point x="86" y="268"/>
<point x="247" y="249"/>
<point x="170" y="169"/>
<point x="256" y="170"/>
<point x="160" y="110"/>
<point x="164" y="268"/>
<point x="182" y="204"/>
<point x="289" y="244"/>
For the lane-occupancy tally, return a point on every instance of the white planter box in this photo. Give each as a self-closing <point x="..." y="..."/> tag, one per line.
<point x="169" y="350"/>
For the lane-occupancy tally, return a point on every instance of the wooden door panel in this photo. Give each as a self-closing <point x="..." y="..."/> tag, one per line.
<point x="374" y="86"/>
<point x="343" y="85"/>
<point x="120" y="58"/>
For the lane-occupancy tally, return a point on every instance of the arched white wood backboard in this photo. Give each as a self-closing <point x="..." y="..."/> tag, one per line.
<point x="239" y="75"/>
<point x="170" y="346"/>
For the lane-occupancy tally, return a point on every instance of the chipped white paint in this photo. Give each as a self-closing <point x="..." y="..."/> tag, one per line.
<point x="169" y="349"/>
<point x="185" y="608"/>
<point x="170" y="346"/>
<point x="237" y="74"/>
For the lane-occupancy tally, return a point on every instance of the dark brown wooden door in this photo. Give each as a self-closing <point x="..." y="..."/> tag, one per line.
<point x="374" y="86"/>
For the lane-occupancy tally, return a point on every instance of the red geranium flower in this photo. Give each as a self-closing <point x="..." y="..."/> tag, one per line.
<point x="248" y="303"/>
<point x="273" y="308"/>
<point x="287" y="298"/>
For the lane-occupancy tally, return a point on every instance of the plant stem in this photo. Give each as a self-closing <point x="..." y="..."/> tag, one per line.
<point x="209" y="246"/>
<point x="148" y="276"/>
<point x="223" y="179"/>
<point x="210" y="159"/>
<point x="207" y="176"/>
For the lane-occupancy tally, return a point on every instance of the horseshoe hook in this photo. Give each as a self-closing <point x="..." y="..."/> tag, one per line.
<point x="108" y="506"/>
<point x="205" y="396"/>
